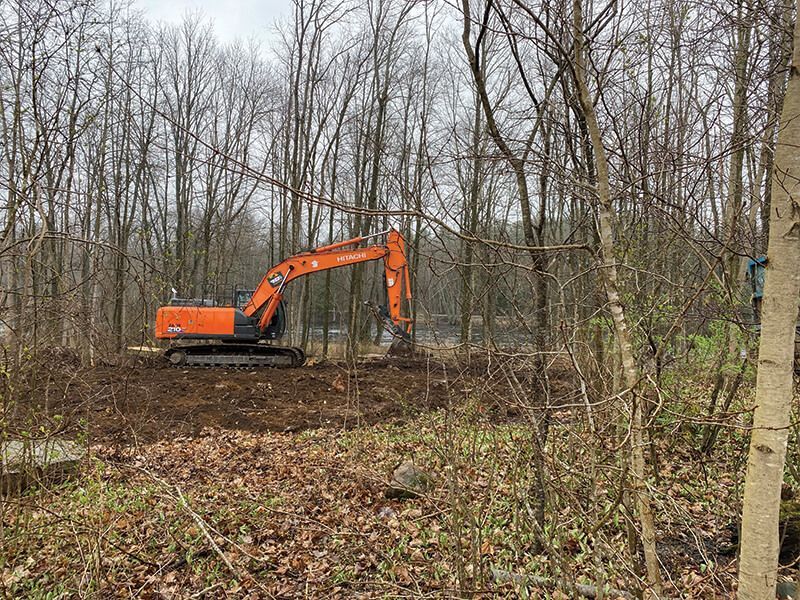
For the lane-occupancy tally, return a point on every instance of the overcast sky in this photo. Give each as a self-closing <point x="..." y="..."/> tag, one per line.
<point x="231" y="18"/>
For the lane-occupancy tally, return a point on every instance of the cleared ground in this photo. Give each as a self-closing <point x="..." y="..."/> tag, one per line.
<point x="149" y="400"/>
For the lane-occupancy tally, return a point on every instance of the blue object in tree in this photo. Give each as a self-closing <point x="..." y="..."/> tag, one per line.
<point x="755" y="273"/>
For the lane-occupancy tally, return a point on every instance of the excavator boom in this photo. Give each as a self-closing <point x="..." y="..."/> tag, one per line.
<point x="236" y="336"/>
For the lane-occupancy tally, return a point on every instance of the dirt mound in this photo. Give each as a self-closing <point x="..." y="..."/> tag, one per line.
<point x="146" y="400"/>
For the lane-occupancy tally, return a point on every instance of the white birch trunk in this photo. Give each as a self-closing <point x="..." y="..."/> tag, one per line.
<point x="758" y="562"/>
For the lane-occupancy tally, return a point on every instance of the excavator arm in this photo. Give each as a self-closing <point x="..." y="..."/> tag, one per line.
<point x="269" y="293"/>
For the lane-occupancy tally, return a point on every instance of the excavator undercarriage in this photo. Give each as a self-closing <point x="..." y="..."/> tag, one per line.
<point x="235" y="355"/>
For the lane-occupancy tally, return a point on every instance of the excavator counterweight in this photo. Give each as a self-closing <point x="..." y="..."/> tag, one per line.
<point x="242" y="336"/>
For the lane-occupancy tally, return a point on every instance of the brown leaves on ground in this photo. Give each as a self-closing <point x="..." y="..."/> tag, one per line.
<point x="246" y="515"/>
<point x="295" y="515"/>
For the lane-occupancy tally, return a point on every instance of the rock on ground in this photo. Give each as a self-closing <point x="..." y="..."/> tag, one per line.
<point x="408" y="481"/>
<point x="28" y="462"/>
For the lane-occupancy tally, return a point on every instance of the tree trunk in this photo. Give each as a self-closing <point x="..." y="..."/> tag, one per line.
<point x="760" y="513"/>
<point x="609" y="269"/>
<point x="470" y="224"/>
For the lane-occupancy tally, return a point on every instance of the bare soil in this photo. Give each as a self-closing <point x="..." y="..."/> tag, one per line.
<point x="149" y="400"/>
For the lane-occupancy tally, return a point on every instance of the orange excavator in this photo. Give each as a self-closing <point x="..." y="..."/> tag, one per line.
<point x="241" y="335"/>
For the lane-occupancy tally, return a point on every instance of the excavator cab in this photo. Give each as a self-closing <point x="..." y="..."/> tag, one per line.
<point x="277" y="325"/>
<point x="241" y="298"/>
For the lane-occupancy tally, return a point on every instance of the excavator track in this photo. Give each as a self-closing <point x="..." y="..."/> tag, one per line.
<point x="235" y="355"/>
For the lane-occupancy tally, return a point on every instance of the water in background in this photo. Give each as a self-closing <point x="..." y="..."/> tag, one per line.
<point x="438" y="330"/>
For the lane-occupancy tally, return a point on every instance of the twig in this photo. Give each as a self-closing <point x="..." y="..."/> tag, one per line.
<point x="210" y="588"/>
<point x="204" y="528"/>
<point x="200" y="522"/>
